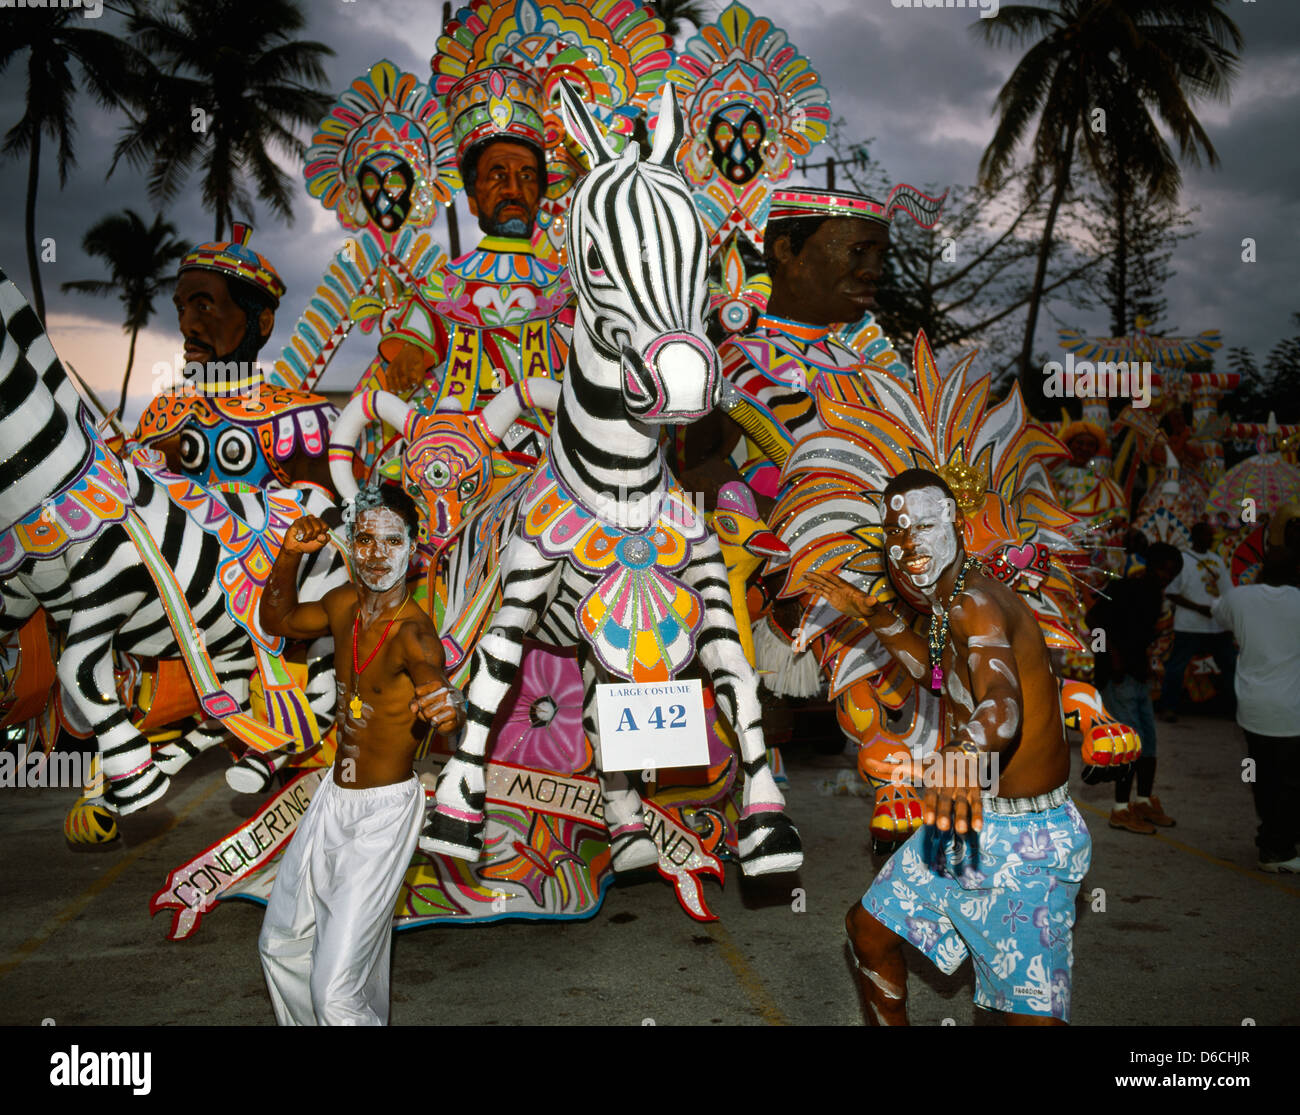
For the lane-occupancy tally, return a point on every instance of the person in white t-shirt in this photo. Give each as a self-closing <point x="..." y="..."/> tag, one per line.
<point x="1203" y="581"/>
<point x="1265" y="618"/>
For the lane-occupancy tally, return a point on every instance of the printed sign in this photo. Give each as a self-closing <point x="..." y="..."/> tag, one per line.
<point x="658" y="724"/>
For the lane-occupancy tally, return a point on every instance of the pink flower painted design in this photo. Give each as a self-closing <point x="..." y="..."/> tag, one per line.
<point x="542" y="727"/>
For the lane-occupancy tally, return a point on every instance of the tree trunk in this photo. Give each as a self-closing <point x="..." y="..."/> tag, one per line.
<point x="1119" y="312"/>
<point x="1040" y="272"/>
<point x="33" y="264"/>
<point x="130" y="359"/>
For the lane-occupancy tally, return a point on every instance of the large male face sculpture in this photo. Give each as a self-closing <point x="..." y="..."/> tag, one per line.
<point x="214" y="326"/>
<point x="507" y="189"/>
<point x="832" y="279"/>
<point x="921" y="539"/>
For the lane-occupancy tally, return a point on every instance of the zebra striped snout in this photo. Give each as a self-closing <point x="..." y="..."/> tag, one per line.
<point x="675" y="380"/>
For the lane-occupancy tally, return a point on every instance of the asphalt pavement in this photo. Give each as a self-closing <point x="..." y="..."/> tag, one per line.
<point x="1174" y="929"/>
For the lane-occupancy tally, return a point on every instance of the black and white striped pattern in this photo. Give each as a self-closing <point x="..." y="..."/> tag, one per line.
<point x="637" y="252"/>
<point x="103" y="600"/>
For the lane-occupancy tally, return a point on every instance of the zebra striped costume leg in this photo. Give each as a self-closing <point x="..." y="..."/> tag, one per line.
<point x="639" y="359"/>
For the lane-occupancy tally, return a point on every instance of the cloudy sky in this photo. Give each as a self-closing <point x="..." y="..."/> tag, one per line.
<point x="917" y="80"/>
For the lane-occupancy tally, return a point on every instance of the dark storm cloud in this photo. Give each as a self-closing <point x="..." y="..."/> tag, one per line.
<point x="917" y="80"/>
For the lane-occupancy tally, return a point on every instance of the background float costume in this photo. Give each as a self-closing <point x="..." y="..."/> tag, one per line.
<point x="382" y="160"/>
<point x="238" y="430"/>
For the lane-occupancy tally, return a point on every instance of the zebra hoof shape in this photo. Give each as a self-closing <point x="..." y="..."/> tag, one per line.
<point x="453" y="836"/>
<point x="769" y="844"/>
<point x="250" y="775"/>
<point x="135" y="792"/>
<point x="632" y="850"/>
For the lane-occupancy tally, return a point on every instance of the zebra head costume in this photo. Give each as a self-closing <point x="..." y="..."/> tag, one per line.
<point x="608" y="554"/>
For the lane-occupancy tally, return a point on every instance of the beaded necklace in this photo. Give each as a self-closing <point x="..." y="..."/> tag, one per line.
<point x="354" y="706"/>
<point x="939" y="626"/>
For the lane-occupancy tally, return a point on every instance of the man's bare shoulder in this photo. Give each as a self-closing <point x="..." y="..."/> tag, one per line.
<point x="983" y="603"/>
<point x="418" y="633"/>
<point x="340" y="603"/>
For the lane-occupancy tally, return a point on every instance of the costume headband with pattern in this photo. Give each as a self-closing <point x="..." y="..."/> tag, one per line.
<point x="235" y="258"/>
<point x="500" y="102"/>
<point x="806" y="202"/>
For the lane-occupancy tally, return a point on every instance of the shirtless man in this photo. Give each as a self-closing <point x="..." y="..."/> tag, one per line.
<point x="994" y="877"/>
<point x="325" y="939"/>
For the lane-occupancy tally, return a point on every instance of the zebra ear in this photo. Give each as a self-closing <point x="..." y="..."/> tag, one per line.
<point x="582" y="126"/>
<point x="668" y="128"/>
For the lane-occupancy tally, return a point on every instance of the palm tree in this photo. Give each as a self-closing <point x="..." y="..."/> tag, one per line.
<point x="672" y="12"/>
<point x="56" y="38"/>
<point x="230" y="83"/>
<point x="1129" y="58"/>
<point x="140" y="260"/>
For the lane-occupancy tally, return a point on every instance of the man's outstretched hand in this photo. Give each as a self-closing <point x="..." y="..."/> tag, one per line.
<point x="441" y="706"/>
<point x="949" y="783"/>
<point x="842" y="596"/>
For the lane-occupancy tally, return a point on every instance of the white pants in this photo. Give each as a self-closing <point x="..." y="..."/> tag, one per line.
<point x="327" y="932"/>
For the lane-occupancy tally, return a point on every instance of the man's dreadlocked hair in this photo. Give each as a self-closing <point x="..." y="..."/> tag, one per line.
<point x="372" y="496"/>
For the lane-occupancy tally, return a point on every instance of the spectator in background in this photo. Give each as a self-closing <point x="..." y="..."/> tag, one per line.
<point x="1265" y="618"/>
<point x="1123" y="673"/>
<point x="1201" y="583"/>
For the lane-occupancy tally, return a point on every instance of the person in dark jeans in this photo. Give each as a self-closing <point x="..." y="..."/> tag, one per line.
<point x="1265" y="618"/>
<point x="1122" y="674"/>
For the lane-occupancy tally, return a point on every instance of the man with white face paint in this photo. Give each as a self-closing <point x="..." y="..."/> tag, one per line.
<point x="992" y="877"/>
<point x="325" y="938"/>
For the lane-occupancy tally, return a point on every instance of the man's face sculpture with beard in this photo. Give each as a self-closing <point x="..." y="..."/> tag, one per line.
<point x="921" y="540"/>
<point x="507" y="189"/>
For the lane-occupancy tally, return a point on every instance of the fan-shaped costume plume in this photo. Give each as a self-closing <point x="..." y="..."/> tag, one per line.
<point x="383" y="161"/>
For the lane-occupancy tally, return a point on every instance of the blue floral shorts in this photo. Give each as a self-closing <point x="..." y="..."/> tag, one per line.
<point x="1004" y="896"/>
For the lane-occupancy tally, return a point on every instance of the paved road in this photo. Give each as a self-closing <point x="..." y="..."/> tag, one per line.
<point x="1189" y="933"/>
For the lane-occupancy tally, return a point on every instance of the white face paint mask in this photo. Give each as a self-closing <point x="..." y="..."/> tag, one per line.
<point x="385" y="561"/>
<point x="933" y="536"/>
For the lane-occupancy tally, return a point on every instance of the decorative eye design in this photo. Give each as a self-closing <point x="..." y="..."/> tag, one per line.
<point x="438" y="474"/>
<point x="725" y="522"/>
<point x="466" y="487"/>
<point x="595" y="265"/>
<point x="194" y="451"/>
<point x="236" y="452"/>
